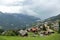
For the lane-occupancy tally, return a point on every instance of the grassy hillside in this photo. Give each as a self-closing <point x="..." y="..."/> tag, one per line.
<point x="54" y="18"/>
<point x="55" y="36"/>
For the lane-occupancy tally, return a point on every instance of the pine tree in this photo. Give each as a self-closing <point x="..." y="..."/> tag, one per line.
<point x="59" y="27"/>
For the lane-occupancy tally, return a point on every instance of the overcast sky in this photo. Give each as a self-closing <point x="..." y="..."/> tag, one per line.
<point x="38" y="8"/>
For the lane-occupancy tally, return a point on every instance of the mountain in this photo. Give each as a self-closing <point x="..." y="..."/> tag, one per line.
<point x="54" y="18"/>
<point x="16" y="21"/>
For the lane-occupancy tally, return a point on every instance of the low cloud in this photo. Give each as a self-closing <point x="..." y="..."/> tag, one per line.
<point x="11" y="9"/>
<point x="45" y="8"/>
<point x="37" y="8"/>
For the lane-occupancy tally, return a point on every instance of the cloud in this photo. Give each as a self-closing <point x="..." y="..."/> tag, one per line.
<point x="6" y="2"/>
<point x="9" y="6"/>
<point x="37" y="8"/>
<point x="21" y="3"/>
<point x="11" y="9"/>
<point x="31" y="13"/>
<point x="45" y="8"/>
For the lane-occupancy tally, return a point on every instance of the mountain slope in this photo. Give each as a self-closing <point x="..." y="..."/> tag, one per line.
<point x="54" y="18"/>
<point x="15" y="21"/>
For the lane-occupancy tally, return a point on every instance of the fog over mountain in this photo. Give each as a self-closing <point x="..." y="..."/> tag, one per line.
<point x="16" y="21"/>
<point x="39" y="8"/>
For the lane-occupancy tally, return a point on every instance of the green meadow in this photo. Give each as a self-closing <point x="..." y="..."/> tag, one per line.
<point x="54" y="36"/>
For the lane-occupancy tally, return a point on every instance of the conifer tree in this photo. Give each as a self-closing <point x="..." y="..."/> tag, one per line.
<point x="59" y="27"/>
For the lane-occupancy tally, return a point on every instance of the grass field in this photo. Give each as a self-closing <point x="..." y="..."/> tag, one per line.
<point x="55" y="36"/>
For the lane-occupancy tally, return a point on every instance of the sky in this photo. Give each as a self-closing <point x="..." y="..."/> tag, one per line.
<point x="38" y="8"/>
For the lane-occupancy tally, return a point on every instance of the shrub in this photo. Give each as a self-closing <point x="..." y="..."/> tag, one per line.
<point x="10" y="33"/>
<point x="1" y="30"/>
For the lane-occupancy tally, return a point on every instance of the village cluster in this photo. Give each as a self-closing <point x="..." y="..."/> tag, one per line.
<point x="42" y="29"/>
